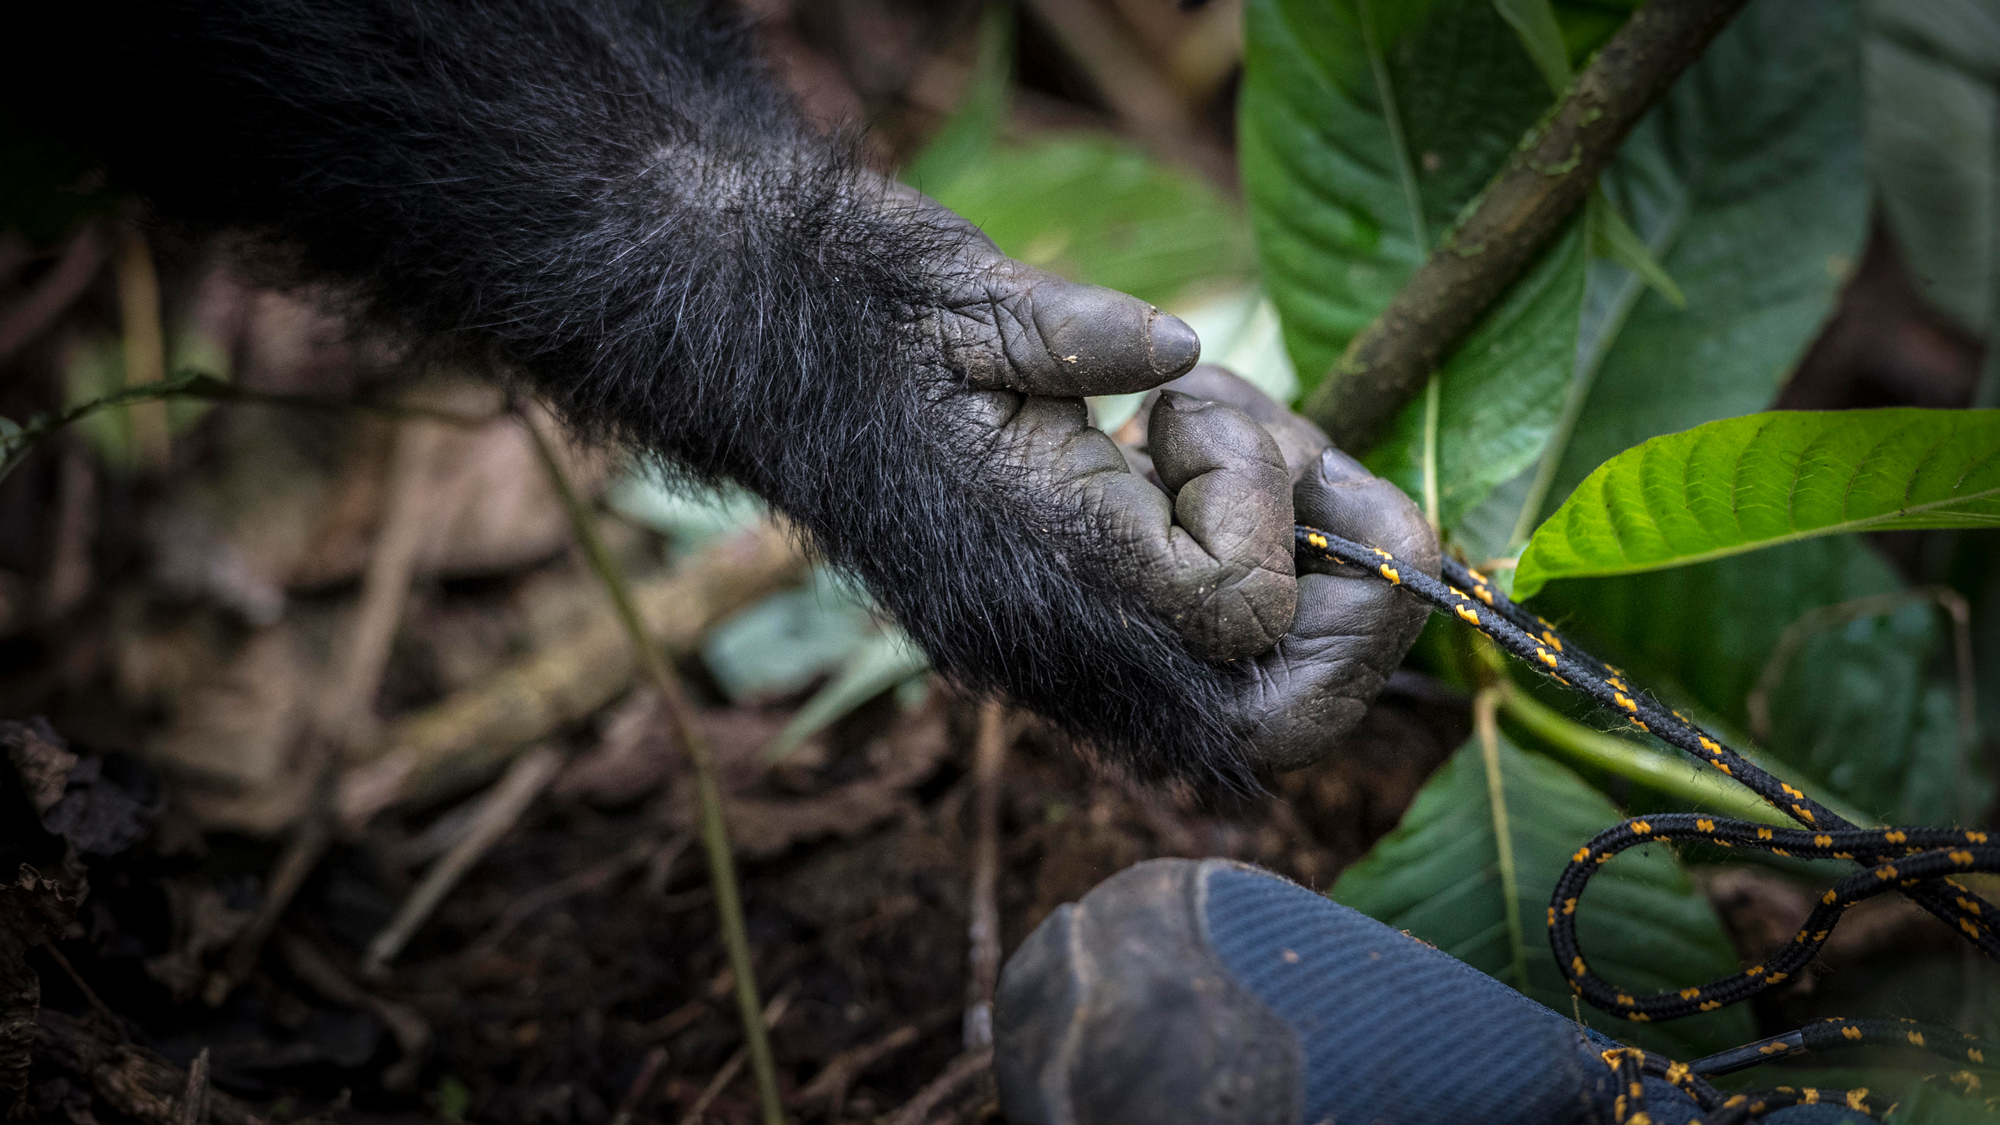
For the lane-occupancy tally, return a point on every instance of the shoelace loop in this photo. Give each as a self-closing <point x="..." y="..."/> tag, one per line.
<point x="1916" y="862"/>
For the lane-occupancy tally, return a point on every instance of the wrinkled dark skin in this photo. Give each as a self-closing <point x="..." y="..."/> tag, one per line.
<point x="1202" y="517"/>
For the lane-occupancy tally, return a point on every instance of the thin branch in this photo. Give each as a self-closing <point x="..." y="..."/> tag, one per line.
<point x="984" y="931"/>
<point x="1484" y="707"/>
<point x="55" y="292"/>
<point x="498" y="811"/>
<point x="1521" y="211"/>
<point x="145" y="343"/>
<point x="345" y="712"/>
<point x="947" y="1087"/>
<point x="193" y="1109"/>
<point x="17" y="441"/>
<point x="773" y="1012"/>
<point x="708" y="794"/>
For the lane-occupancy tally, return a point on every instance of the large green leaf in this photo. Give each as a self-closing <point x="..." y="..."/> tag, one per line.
<point x="1345" y="195"/>
<point x="1743" y="483"/>
<point x="1748" y="184"/>
<point x="1642" y="921"/>
<point x="1499" y="394"/>
<point x="1933" y="112"/>
<point x="1097" y="209"/>
<point x="1366" y="129"/>
<point x="1858" y="705"/>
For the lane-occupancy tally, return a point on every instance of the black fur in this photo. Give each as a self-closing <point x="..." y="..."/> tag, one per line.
<point x="613" y="199"/>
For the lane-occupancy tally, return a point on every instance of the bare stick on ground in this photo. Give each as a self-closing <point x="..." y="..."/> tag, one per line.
<point x="773" y="1012"/>
<point x="472" y="732"/>
<point x="497" y="812"/>
<point x="145" y="344"/>
<point x="194" y="1100"/>
<point x="345" y="714"/>
<point x="1521" y="211"/>
<point x="635" y="1095"/>
<point x="55" y="292"/>
<point x="714" y="832"/>
<point x="948" y="1088"/>
<point x="132" y="1080"/>
<point x="984" y="930"/>
<point x="829" y="1087"/>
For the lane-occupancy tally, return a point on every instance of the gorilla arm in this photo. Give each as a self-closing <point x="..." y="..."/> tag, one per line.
<point x="611" y="200"/>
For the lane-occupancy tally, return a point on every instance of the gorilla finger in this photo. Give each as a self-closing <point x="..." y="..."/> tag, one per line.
<point x="1304" y="696"/>
<point x="1021" y="329"/>
<point x="1336" y="494"/>
<point x="1298" y="440"/>
<point x="1225" y="572"/>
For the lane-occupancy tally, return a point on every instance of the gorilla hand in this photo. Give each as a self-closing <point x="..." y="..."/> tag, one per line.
<point x="1194" y="536"/>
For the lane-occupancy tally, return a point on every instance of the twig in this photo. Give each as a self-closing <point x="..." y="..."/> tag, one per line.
<point x="640" y="854"/>
<point x="345" y="711"/>
<point x="1484" y="707"/>
<point x="411" y="1032"/>
<point x="133" y="1080"/>
<point x="773" y="1012"/>
<point x="194" y="1101"/>
<point x="984" y="957"/>
<point x="714" y="832"/>
<point x="649" y="1073"/>
<point x="497" y="812"/>
<point x="473" y="732"/>
<point x="831" y="1084"/>
<point x="145" y="345"/>
<point x="17" y="444"/>
<point x="1519" y="212"/>
<point x="961" y="1071"/>
<point x="96" y="1002"/>
<point x="57" y="290"/>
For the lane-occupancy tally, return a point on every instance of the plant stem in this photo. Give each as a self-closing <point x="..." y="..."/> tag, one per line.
<point x="1433" y="394"/>
<point x="1580" y="745"/>
<point x="1483" y="707"/>
<point x="714" y="832"/>
<point x="1518" y="213"/>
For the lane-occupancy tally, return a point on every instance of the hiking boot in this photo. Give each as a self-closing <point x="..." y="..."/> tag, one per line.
<point x="1183" y="991"/>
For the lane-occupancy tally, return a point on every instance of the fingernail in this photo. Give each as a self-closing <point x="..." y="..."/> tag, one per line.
<point x="1337" y="467"/>
<point x="1171" y="344"/>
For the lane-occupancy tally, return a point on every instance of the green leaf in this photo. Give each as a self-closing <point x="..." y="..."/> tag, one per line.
<point x="1541" y="36"/>
<point x="783" y="643"/>
<point x="1743" y="483"/>
<point x="1364" y="127"/>
<point x="1098" y="209"/>
<point x="1500" y="392"/>
<point x="966" y="140"/>
<point x="1856" y="704"/>
<point x="1933" y="112"/>
<point x="1642" y="921"/>
<point x="1613" y="238"/>
<point x="1858" y="707"/>
<point x="881" y="662"/>
<point x="1748" y="184"/>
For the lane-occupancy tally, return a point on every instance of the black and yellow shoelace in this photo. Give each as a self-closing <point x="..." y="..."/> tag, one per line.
<point x="1916" y="862"/>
